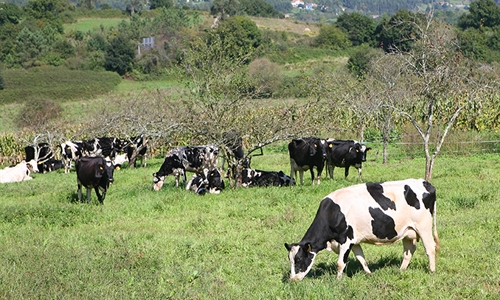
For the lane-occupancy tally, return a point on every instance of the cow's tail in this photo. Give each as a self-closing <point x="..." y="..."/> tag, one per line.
<point x="436" y="237"/>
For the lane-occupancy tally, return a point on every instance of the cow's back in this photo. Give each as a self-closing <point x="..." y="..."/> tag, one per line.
<point x="377" y="215"/>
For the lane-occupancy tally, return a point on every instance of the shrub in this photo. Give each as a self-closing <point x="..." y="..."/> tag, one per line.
<point x="37" y="113"/>
<point x="266" y="77"/>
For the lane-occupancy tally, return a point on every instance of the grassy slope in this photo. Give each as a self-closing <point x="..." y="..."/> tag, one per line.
<point x="172" y="243"/>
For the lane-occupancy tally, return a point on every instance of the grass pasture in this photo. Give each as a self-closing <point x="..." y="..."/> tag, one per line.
<point x="94" y="24"/>
<point x="143" y="244"/>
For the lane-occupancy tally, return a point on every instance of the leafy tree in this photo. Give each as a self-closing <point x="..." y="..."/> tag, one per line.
<point x="481" y="13"/>
<point x="154" y="4"/>
<point x="10" y="13"/>
<point x="473" y="43"/>
<point x="240" y="35"/>
<point x="399" y="32"/>
<point x="332" y="37"/>
<point x="359" y="28"/>
<point x="224" y="8"/>
<point x="30" y="45"/>
<point x="48" y="11"/>
<point x="258" y="8"/>
<point x="360" y="60"/>
<point x="120" y="55"/>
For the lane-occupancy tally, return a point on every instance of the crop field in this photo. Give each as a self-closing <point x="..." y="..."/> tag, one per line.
<point x="173" y="244"/>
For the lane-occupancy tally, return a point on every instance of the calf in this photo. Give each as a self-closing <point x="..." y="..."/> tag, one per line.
<point x="94" y="172"/>
<point x="52" y="165"/>
<point x="305" y="154"/>
<point x="206" y="181"/>
<point x="374" y="213"/>
<point x="344" y="154"/>
<point x="252" y="177"/>
<point x="186" y="158"/>
<point x="119" y="160"/>
<point x="19" y="172"/>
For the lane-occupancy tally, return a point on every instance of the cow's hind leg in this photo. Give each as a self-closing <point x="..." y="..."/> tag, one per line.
<point x="360" y="256"/>
<point x="409" y="249"/>
<point x="344" y="251"/>
<point x="79" y="193"/>
<point x="429" y="245"/>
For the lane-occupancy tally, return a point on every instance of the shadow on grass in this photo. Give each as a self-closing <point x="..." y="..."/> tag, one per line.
<point x="353" y="267"/>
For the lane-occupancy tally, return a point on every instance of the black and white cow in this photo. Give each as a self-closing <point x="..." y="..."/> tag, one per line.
<point x="94" y="172"/>
<point x="19" y="172"/>
<point x="207" y="181"/>
<point x="344" y="154"/>
<point x="41" y="153"/>
<point x="104" y="146"/>
<point x="71" y="151"/>
<point x="185" y="158"/>
<point x="135" y="148"/>
<point x="252" y="177"/>
<point x="53" y="164"/>
<point x="373" y="213"/>
<point x="305" y="154"/>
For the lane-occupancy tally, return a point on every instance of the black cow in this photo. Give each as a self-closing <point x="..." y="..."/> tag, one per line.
<point x="207" y="181"/>
<point x="41" y="154"/>
<point x="344" y="154"/>
<point x="305" y="154"/>
<point x="94" y="172"/>
<point x="252" y="177"/>
<point x="185" y="158"/>
<point x="71" y="151"/>
<point x="374" y="213"/>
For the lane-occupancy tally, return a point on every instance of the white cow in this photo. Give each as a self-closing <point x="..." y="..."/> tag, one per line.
<point x="18" y="173"/>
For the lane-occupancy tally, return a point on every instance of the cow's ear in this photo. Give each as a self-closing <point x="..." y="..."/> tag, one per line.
<point x="368" y="149"/>
<point x="309" y="248"/>
<point x="288" y="247"/>
<point x="99" y="171"/>
<point x="330" y="145"/>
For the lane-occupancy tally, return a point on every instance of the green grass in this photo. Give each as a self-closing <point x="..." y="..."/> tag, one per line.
<point x="143" y="244"/>
<point x="57" y="84"/>
<point x="86" y="25"/>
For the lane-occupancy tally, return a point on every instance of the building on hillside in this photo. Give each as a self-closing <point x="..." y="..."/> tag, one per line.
<point x="296" y="3"/>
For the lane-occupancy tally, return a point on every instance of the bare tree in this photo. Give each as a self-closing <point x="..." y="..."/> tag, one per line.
<point x="443" y="83"/>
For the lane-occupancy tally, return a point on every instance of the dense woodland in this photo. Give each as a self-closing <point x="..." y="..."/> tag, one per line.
<point x="411" y="68"/>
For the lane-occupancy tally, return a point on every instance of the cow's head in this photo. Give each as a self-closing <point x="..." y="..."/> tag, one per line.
<point x="158" y="181"/>
<point x="301" y="259"/>
<point x="360" y="151"/>
<point x="32" y="166"/>
<point x="105" y="171"/>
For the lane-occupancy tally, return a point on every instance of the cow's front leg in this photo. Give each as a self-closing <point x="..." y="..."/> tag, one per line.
<point x="89" y="195"/>
<point x="99" y="196"/>
<point x="312" y="175"/>
<point x="360" y="256"/>
<point x="79" y="193"/>
<point x="344" y="251"/>
<point x="346" y="171"/>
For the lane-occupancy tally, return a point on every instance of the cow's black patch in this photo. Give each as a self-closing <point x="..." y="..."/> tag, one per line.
<point x="376" y="190"/>
<point x="329" y="223"/>
<point x="411" y="197"/>
<point x="430" y="198"/>
<point x="346" y="254"/>
<point x="383" y="226"/>
<point x="350" y="232"/>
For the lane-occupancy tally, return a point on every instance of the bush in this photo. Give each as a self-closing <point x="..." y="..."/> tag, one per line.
<point x="265" y="76"/>
<point x="38" y="113"/>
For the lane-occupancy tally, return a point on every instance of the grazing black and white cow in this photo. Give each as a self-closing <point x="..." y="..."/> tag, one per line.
<point x="94" y="172"/>
<point x="374" y="213"/>
<point x="41" y="154"/>
<point x="252" y="177"/>
<point x="119" y="160"/>
<point x="305" y="154"/>
<point x="71" y="151"/>
<point x="344" y="154"/>
<point x="207" y="181"/>
<point x="19" y="172"/>
<point x="186" y="158"/>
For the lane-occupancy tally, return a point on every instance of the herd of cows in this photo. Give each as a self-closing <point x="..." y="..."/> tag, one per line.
<point x="375" y="213"/>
